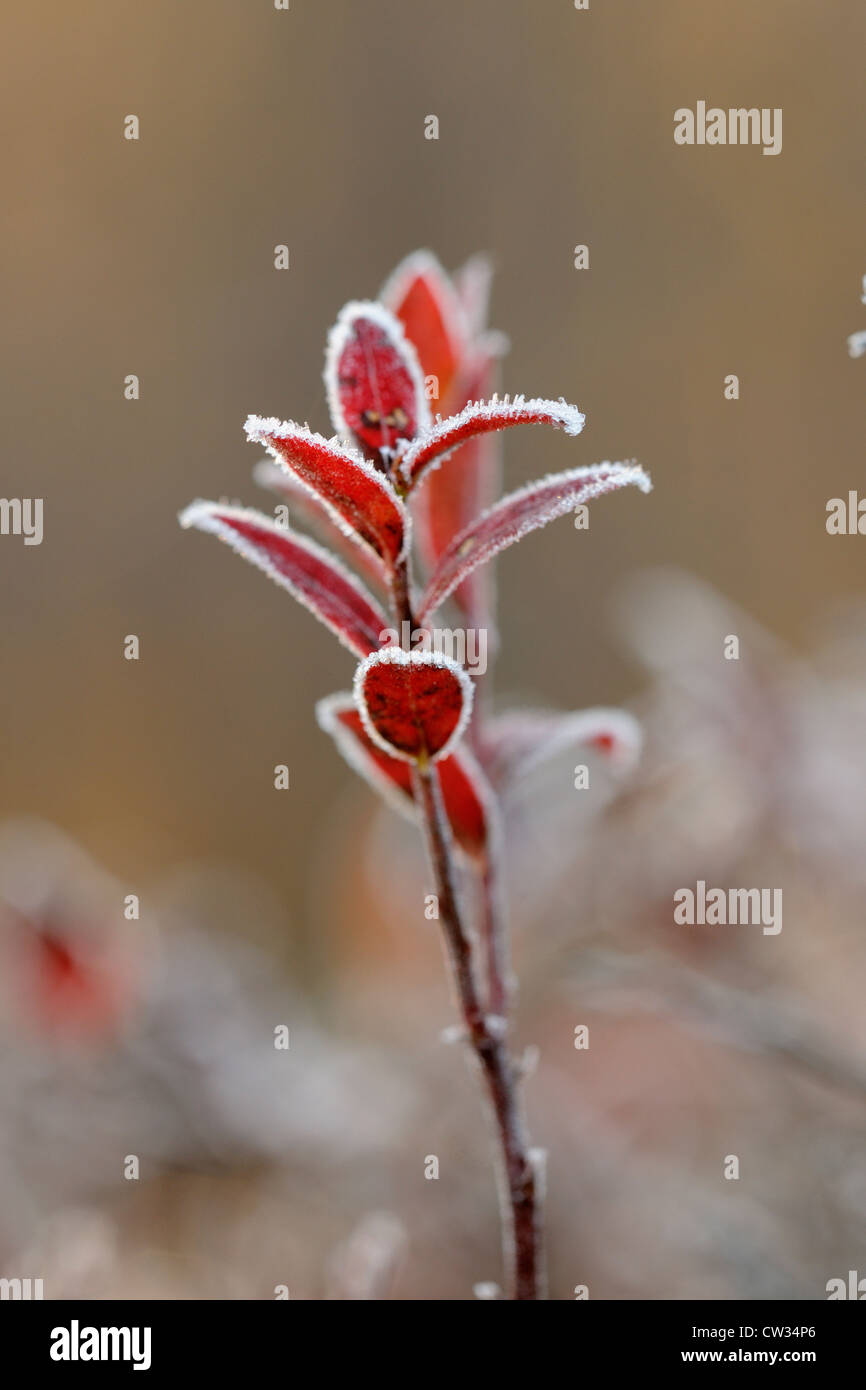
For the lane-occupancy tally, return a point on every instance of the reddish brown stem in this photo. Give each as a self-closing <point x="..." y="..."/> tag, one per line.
<point x="484" y="1020"/>
<point x="519" y="1195"/>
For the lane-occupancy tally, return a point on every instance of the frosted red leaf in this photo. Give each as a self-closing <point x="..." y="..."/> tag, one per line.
<point x="315" y="578"/>
<point x="360" y="499"/>
<point x="516" y="515"/>
<point x="308" y="508"/>
<point x="482" y="417"/>
<point x="414" y="705"/>
<point x="464" y="790"/>
<point x="422" y="297"/>
<point x="373" y="380"/>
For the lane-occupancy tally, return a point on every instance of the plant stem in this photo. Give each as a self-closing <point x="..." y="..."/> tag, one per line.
<point x="485" y="1022"/>
<point x="518" y="1177"/>
<point x="400" y="597"/>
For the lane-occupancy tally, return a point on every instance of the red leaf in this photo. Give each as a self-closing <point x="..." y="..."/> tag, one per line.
<point x="483" y="417"/>
<point x="315" y="578"/>
<point x="415" y="705"/>
<point x="306" y="505"/>
<point x="422" y="297"/>
<point x="373" y="380"/>
<point x="519" y="513"/>
<point x="357" y="496"/>
<point x="516" y="742"/>
<point x="464" y="790"/>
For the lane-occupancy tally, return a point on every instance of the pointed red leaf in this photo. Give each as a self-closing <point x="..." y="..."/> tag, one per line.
<point x="464" y="790"/>
<point x="422" y="297"/>
<point x="309" y="508"/>
<point x="519" y="513"/>
<point x="516" y="742"/>
<point x="414" y="705"/>
<point x="315" y="578"/>
<point x="359" y="498"/>
<point x="373" y="380"/>
<point x="483" y="417"/>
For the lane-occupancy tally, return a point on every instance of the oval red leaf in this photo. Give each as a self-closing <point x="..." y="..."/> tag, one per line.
<point x="414" y="705"/>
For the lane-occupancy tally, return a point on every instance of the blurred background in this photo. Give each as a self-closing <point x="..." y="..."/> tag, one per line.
<point x="154" y="1037"/>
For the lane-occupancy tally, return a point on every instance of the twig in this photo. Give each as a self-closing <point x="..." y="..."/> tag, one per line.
<point x="519" y="1168"/>
<point x="519" y="1197"/>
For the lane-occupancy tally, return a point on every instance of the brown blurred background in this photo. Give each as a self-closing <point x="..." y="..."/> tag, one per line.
<point x="306" y="127"/>
<point x="155" y="257"/>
